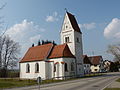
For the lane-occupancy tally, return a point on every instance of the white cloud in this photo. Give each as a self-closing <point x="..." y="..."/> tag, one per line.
<point x="112" y="30"/>
<point x="25" y="33"/>
<point x="35" y="38"/>
<point x="88" y="26"/>
<point x="52" y="18"/>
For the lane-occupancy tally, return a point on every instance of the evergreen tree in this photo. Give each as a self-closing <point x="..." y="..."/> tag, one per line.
<point x="54" y="42"/>
<point x="39" y="43"/>
<point x="43" y="42"/>
<point x="33" y="45"/>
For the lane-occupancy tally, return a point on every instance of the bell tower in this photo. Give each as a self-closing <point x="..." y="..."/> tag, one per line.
<point x="72" y="35"/>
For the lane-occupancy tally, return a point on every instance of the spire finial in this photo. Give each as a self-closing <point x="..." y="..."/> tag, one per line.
<point x="66" y="9"/>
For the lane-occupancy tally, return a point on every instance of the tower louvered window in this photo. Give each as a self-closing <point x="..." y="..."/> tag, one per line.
<point x="67" y="39"/>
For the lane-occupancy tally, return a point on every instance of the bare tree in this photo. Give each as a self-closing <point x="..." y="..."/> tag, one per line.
<point x="9" y="51"/>
<point x="115" y="51"/>
<point x="1" y="18"/>
<point x="1" y="23"/>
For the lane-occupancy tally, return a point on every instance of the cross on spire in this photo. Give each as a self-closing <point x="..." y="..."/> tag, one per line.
<point x="66" y="9"/>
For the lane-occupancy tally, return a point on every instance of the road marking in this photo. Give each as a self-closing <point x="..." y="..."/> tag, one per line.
<point x="109" y="83"/>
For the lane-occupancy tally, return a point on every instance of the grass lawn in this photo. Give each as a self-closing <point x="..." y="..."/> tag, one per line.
<point x="14" y="82"/>
<point x="112" y="89"/>
<point x="9" y="83"/>
<point x="118" y="80"/>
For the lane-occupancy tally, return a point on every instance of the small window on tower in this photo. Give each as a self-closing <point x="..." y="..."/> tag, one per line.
<point x="77" y="39"/>
<point x="66" y="26"/>
<point x="66" y="39"/>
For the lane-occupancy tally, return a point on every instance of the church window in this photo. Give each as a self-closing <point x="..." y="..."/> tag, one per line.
<point x="72" y="66"/>
<point x="54" y="67"/>
<point x="66" y="39"/>
<point x="36" y="67"/>
<point x="66" y="69"/>
<point x="78" y="39"/>
<point x="27" y="68"/>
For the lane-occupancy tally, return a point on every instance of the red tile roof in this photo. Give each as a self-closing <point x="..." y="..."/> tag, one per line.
<point x="42" y="52"/>
<point x="61" y="51"/>
<point x="37" y="53"/>
<point x="74" y="22"/>
<point x="95" y="60"/>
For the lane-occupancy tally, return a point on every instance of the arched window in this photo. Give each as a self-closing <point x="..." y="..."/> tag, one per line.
<point x="27" y="68"/>
<point x="67" y="39"/>
<point x="36" y="67"/>
<point x="78" y="40"/>
<point x="72" y="66"/>
<point x="66" y="69"/>
<point x="54" y="67"/>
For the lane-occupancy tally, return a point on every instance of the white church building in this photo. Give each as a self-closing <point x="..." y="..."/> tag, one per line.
<point x="56" y="61"/>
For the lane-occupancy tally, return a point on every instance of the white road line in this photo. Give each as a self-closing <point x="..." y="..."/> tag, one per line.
<point x="109" y="83"/>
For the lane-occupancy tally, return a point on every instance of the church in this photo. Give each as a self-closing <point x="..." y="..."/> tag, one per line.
<point x="51" y="61"/>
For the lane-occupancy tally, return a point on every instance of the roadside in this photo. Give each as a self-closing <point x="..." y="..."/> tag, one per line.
<point x="16" y="82"/>
<point x="115" y="85"/>
<point x="57" y="84"/>
<point x="92" y="83"/>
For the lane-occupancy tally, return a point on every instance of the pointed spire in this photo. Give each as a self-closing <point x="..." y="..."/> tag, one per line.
<point x="66" y="10"/>
<point x="74" y="22"/>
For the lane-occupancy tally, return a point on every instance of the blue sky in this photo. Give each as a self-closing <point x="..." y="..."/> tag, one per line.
<point x="31" y="20"/>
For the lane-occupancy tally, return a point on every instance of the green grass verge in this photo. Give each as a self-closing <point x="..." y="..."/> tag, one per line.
<point x="12" y="82"/>
<point x="93" y="75"/>
<point x="9" y="83"/>
<point x="112" y="89"/>
<point x="118" y="80"/>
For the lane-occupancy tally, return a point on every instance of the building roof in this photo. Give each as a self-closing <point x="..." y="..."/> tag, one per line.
<point x="86" y="59"/>
<point x="95" y="60"/>
<point x="61" y="51"/>
<point x="46" y="51"/>
<point x="73" y="22"/>
<point x="37" y="53"/>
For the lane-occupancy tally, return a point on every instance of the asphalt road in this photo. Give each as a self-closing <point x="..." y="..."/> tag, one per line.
<point x="93" y="83"/>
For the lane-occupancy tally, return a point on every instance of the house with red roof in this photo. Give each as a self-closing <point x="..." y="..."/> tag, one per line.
<point x="97" y="64"/>
<point x="87" y="64"/>
<point x="56" y="61"/>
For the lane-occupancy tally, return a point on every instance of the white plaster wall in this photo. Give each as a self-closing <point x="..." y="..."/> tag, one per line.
<point x="75" y="47"/>
<point x="95" y="67"/>
<point x="49" y="70"/>
<point x="58" y="72"/>
<point x="71" y="38"/>
<point x="60" y="67"/>
<point x="79" y="53"/>
<point x="32" y="74"/>
<point x="65" y="32"/>
<point x="69" y="61"/>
